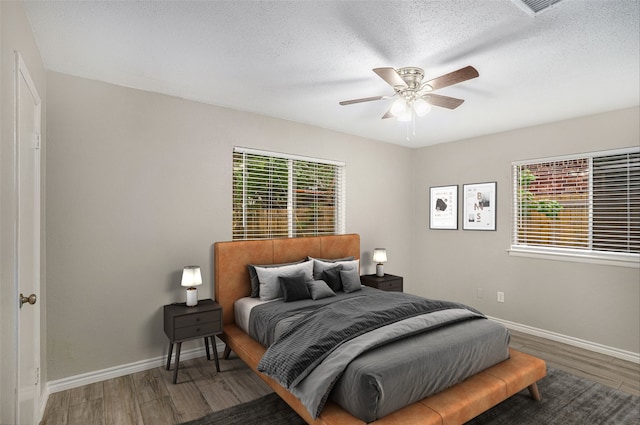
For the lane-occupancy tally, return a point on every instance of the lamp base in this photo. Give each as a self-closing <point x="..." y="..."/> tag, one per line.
<point x="192" y="297"/>
<point x="379" y="271"/>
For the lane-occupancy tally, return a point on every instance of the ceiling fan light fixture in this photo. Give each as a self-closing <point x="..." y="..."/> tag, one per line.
<point x="421" y="107"/>
<point x="414" y="98"/>
<point x="406" y="115"/>
<point x="399" y="107"/>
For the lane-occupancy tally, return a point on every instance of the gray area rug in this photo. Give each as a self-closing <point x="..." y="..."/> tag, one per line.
<point x="566" y="400"/>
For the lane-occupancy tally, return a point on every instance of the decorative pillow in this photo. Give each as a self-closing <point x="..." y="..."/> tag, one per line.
<point x="350" y="280"/>
<point x="269" y="278"/>
<point x="319" y="289"/>
<point x="319" y="266"/>
<point x="294" y="287"/>
<point x="253" y="276"/>
<point x="331" y="275"/>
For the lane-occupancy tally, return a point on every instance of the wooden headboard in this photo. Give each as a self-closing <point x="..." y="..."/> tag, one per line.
<point x="230" y="260"/>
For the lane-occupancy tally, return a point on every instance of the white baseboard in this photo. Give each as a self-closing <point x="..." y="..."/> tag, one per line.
<point x="569" y="340"/>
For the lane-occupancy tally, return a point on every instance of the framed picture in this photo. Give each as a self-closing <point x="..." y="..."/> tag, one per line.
<point x="479" y="206"/>
<point x="443" y="207"/>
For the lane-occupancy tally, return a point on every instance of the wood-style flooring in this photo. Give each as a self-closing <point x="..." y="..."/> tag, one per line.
<point x="607" y="370"/>
<point x="150" y="398"/>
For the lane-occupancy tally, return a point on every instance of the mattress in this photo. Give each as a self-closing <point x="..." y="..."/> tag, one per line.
<point x="242" y="311"/>
<point x="392" y="376"/>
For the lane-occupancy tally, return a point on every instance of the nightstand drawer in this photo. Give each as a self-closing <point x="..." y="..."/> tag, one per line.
<point x="197" y="318"/>
<point x="197" y="330"/>
<point x="388" y="282"/>
<point x="392" y="285"/>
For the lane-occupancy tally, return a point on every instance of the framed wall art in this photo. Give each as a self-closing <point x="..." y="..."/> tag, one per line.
<point x="443" y="207"/>
<point x="479" y="206"/>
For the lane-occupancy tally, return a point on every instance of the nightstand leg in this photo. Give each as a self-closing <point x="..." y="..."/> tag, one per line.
<point x="215" y="352"/>
<point x="175" y="372"/>
<point x="169" y="356"/>
<point x="206" y="346"/>
<point x="227" y="352"/>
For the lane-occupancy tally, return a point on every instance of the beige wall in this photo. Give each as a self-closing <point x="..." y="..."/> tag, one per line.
<point x="596" y="303"/>
<point x="15" y="34"/>
<point x="139" y="185"/>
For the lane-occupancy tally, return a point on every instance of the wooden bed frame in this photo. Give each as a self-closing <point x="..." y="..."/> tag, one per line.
<point x="455" y="405"/>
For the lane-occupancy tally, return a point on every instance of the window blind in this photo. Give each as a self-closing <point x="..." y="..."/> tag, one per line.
<point x="279" y="195"/>
<point x="589" y="203"/>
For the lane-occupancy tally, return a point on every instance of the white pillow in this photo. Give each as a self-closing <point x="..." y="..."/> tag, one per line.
<point x="319" y="266"/>
<point x="269" y="278"/>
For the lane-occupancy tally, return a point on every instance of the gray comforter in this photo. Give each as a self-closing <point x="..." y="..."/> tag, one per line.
<point x="316" y="346"/>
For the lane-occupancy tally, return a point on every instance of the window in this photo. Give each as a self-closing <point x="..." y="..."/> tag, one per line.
<point x="586" y="207"/>
<point x="279" y="196"/>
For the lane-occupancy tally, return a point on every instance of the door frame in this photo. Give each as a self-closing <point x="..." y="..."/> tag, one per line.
<point x="21" y="72"/>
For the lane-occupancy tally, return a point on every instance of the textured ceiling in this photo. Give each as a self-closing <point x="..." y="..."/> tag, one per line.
<point x="297" y="59"/>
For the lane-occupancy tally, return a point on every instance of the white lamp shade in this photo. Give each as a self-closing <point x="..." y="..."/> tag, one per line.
<point x="379" y="255"/>
<point x="398" y="107"/>
<point x="406" y="115"/>
<point x="421" y="107"/>
<point x="191" y="276"/>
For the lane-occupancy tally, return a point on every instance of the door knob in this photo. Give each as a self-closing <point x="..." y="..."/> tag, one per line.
<point x="31" y="299"/>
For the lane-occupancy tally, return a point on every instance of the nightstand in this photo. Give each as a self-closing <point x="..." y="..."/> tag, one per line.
<point x="388" y="282"/>
<point x="182" y="323"/>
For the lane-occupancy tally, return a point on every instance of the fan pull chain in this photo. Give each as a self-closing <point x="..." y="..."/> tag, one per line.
<point x="413" y="121"/>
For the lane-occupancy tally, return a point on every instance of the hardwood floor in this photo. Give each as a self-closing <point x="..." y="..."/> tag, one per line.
<point x="607" y="370"/>
<point x="150" y="398"/>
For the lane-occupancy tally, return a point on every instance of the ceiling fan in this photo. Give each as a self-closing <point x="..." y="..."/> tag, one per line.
<point x="414" y="96"/>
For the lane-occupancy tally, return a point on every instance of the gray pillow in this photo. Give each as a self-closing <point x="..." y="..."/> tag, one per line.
<point x="253" y="276"/>
<point x="319" y="266"/>
<point x="269" y="278"/>
<point x="350" y="280"/>
<point x="294" y="287"/>
<point x="332" y="277"/>
<point x="319" y="289"/>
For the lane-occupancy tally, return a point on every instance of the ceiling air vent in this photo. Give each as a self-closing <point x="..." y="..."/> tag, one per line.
<point x="535" y="7"/>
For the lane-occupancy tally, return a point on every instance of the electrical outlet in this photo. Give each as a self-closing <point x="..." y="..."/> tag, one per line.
<point x="500" y="297"/>
<point x="480" y="293"/>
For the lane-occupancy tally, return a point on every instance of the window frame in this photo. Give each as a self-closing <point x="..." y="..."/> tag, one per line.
<point x="610" y="258"/>
<point x="340" y="191"/>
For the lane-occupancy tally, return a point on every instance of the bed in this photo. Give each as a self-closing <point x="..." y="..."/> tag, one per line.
<point x="453" y="405"/>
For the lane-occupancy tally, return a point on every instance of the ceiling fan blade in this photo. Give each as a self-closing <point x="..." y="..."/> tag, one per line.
<point x="454" y="77"/>
<point x="364" y="99"/>
<point x="391" y="76"/>
<point x="388" y="114"/>
<point x="443" y="101"/>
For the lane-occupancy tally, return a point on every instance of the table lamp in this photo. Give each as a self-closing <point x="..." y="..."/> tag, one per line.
<point x="379" y="256"/>
<point x="191" y="277"/>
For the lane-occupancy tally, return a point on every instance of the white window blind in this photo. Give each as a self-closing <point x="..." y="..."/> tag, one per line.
<point x="278" y="195"/>
<point x="589" y="203"/>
